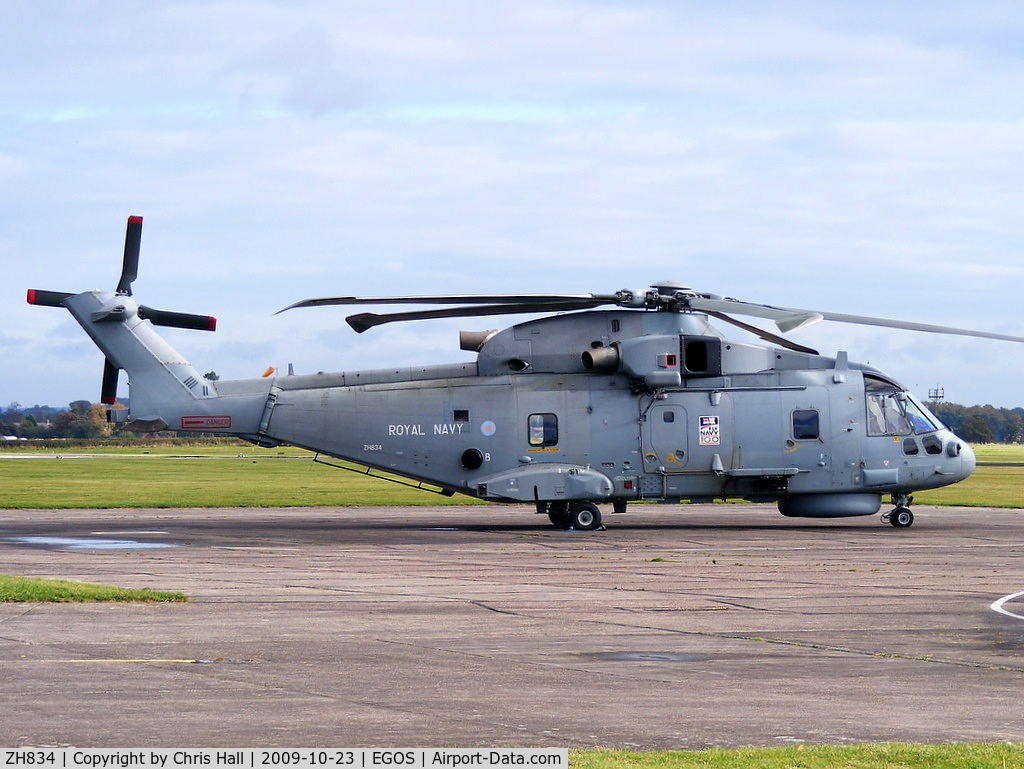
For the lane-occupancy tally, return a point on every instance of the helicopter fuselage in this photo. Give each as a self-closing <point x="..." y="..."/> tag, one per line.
<point x="575" y="409"/>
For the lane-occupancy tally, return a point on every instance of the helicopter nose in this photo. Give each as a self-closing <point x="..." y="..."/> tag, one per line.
<point x="962" y="458"/>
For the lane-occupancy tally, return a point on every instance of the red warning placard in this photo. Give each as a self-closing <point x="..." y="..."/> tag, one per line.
<point x="206" y="423"/>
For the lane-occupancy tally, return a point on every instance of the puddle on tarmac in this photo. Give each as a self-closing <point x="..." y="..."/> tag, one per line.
<point x="644" y="656"/>
<point x="81" y="543"/>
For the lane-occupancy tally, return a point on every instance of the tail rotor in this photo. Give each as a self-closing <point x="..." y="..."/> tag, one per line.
<point x="129" y="272"/>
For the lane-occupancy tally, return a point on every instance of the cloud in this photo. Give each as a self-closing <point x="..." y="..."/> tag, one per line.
<point x="863" y="159"/>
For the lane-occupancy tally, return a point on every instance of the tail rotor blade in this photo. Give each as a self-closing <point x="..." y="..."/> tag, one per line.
<point x="178" y="319"/>
<point x="108" y="393"/>
<point x="47" y="298"/>
<point x="132" y="244"/>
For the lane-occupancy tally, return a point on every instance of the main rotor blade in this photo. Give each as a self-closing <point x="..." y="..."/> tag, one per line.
<point x="868" y="321"/>
<point x="788" y="318"/>
<point x="461" y="299"/>
<point x="130" y="266"/>
<point x="765" y="335"/>
<point x="366" y="320"/>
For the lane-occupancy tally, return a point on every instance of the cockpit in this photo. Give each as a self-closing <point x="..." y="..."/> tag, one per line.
<point x="894" y="411"/>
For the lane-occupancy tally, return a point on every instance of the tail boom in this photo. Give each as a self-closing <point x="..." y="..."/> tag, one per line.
<point x="166" y="391"/>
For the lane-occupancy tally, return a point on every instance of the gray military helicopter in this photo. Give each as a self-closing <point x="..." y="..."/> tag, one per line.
<point x="642" y="401"/>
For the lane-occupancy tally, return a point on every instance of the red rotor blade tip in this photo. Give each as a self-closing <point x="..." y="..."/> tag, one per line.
<point x="134" y="220"/>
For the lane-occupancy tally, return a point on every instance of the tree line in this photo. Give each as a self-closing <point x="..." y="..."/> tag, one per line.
<point x="982" y="424"/>
<point x="81" y="420"/>
<point x="85" y="420"/>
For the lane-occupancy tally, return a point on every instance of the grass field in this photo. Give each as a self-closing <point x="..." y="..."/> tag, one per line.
<point x="883" y="756"/>
<point x="240" y="475"/>
<point x="191" y="476"/>
<point x="31" y="590"/>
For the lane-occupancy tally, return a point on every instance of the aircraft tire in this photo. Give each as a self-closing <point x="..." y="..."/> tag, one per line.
<point x="901" y="518"/>
<point x="558" y="514"/>
<point x="586" y="516"/>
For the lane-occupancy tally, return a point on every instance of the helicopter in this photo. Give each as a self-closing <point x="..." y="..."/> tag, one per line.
<point x="606" y="399"/>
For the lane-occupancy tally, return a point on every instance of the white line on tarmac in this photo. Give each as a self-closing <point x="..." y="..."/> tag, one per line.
<point x="998" y="605"/>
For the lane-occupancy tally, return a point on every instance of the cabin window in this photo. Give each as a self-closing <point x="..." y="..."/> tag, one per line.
<point x="461" y="415"/>
<point x="543" y="429"/>
<point x="806" y="425"/>
<point x="668" y="416"/>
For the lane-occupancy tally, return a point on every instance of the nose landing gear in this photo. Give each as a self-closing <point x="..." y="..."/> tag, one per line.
<point x="900" y="516"/>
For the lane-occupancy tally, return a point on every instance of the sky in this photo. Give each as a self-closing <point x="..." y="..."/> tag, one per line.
<point x="863" y="158"/>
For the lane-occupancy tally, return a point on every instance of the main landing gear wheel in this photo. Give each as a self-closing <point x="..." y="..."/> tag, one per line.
<point x="558" y="513"/>
<point x="585" y="516"/>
